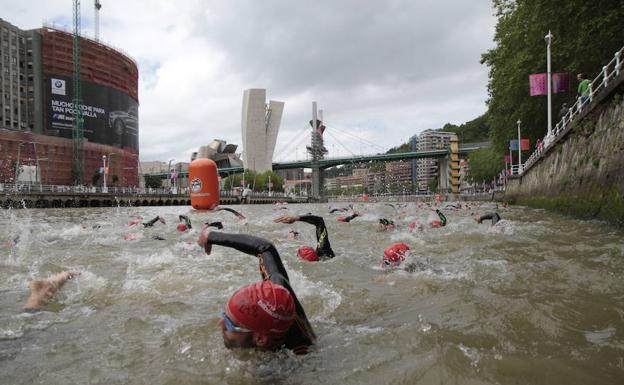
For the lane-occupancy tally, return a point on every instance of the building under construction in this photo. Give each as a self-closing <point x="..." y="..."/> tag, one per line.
<point x="37" y="110"/>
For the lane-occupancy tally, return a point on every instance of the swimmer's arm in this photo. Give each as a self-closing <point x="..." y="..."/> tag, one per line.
<point x="238" y="215"/>
<point x="245" y="243"/>
<point x="442" y="217"/>
<point x="42" y="290"/>
<point x="270" y="262"/>
<point x="151" y="223"/>
<point x="323" y="248"/>
<point x="313" y="220"/>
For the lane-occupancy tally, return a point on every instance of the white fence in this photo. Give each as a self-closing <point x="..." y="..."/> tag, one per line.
<point x="608" y="73"/>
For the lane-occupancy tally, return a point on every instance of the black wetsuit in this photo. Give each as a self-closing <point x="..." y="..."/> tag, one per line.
<point x="493" y="216"/>
<point x="218" y="225"/>
<point x="300" y="335"/>
<point x="239" y="215"/>
<point x="186" y="220"/>
<point x="442" y="217"/>
<point x="151" y="223"/>
<point x="350" y="217"/>
<point x="323" y="248"/>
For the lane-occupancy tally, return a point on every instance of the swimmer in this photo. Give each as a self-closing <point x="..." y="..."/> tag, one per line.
<point x="395" y="255"/>
<point x="42" y="290"/>
<point x="218" y="225"/>
<point x="341" y="209"/>
<point x="182" y="227"/>
<point x="323" y="248"/>
<point x="438" y="222"/>
<point x="151" y="222"/>
<point x="293" y="235"/>
<point x="415" y="225"/>
<point x="135" y="221"/>
<point x="349" y="218"/>
<point x="493" y="216"/>
<point x="265" y="315"/>
<point x="385" y="225"/>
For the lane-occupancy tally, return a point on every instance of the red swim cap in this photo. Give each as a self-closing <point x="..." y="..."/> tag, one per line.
<point x="436" y="223"/>
<point x="395" y="253"/>
<point x="182" y="227"/>
<point x="263" y="307"/>
<point x="307" y="253"/>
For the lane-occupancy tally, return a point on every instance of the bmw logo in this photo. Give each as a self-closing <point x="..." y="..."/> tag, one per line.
<point x="58" y="84"/>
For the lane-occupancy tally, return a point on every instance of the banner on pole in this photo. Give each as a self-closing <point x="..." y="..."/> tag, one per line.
<point x="537" y="84"/>
<point x="513" y="145"/>
<point x="507" y="158"/>
<point x="524" y="144"/>
<point x="561" y="82"/>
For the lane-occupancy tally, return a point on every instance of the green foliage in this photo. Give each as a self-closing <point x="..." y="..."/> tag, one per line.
<point x="586" y="35"/>
<point x="114" y="179"/>
<point x="153" y="181"/>
<point x="476" y="130"/>
<point x="405" y="147"/>
<point x="484" y="164"/>
<point x="255" y="181"/>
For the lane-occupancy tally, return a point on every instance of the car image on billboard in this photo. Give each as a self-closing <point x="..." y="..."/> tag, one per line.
<point x="124" y="127"/>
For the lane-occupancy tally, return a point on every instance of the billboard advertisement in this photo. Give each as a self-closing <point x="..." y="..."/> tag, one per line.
<point x="110" y="116"/>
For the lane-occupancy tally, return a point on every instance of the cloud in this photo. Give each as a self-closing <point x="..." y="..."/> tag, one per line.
<point x="380" y="71"/>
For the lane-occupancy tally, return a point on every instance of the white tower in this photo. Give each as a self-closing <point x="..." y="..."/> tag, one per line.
<point x="259" y="124"/>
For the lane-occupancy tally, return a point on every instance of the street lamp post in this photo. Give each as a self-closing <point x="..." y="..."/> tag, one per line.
<point x="104" y="189"/>
<point x="519" y="149"/>
<point x="170" y="171"/>
<point x="548" y="39"/>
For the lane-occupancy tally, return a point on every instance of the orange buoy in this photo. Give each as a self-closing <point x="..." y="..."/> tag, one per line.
<point x="204" y="184"/>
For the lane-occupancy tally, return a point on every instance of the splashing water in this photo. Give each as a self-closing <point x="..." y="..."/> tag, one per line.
<point x="537" y="299"/>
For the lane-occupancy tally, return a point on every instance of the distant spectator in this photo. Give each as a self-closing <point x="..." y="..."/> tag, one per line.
<point x="539" y="145"/>
<point x="583" y="87"/>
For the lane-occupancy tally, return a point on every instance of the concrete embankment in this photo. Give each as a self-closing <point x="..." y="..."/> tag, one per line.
<point x="582" y="175"/>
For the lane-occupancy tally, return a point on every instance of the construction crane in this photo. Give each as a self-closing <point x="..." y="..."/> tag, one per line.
<point x="77" y="129"/>
<point x="96" y="7"/>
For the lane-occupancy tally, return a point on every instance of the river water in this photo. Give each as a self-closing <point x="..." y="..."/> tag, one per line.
<point x="538" y="301"/>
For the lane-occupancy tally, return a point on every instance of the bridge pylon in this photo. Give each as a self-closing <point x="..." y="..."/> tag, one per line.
<point x="454" y="166"/>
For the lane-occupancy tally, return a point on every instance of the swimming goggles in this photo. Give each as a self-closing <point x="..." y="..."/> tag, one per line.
<point x="231" y="326"/>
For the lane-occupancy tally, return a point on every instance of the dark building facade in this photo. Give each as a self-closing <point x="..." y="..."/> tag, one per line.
<point x="37" y="111"/>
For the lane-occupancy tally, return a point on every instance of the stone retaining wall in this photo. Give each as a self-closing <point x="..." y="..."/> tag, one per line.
<point x="583" y="174"/>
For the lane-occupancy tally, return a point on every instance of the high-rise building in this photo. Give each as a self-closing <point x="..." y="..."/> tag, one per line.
<point x="260" y="124"/>
<point x="37" y="111"/>
<point x="425" y="170"/>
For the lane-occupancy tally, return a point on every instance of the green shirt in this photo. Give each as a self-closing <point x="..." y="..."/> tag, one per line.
<point x="583" y="87"/>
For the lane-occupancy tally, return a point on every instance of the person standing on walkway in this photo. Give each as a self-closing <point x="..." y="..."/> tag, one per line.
<point x="583" y="87"/>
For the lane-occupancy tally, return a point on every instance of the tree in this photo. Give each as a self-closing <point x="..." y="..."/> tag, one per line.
<point x="153" y="181"/>
<point x="484" y="164"/>
<point x="114" y="179"/>
<point x="256" y="181"/>
<point x="586" y="35"/>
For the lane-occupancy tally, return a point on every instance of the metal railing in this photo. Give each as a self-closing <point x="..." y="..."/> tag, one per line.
<point x="32" y="188"/>
<point x="609" y="71"/>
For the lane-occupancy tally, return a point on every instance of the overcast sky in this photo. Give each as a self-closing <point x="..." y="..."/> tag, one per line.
<point x="381" y="71"/>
